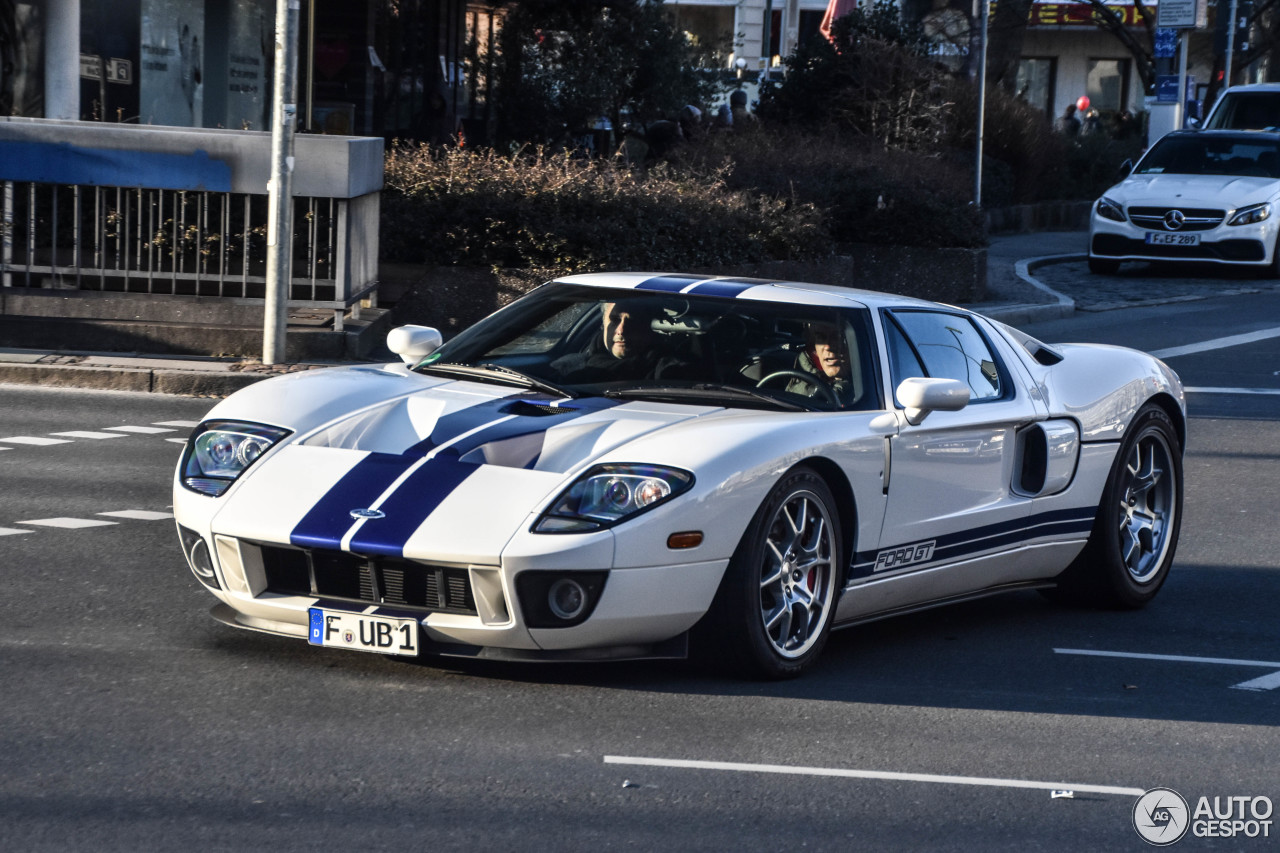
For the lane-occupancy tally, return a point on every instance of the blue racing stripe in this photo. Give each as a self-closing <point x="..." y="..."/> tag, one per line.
<point x="670" y="283"/>
<point x="330" y="519"/>
<point x="724" y="287"/>
<point x="325" y="525"/>
<point x="406" y="510"/>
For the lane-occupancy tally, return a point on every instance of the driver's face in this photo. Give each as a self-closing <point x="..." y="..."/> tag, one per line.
<point x="625" y="333"/>
<point x="829" y="353"/>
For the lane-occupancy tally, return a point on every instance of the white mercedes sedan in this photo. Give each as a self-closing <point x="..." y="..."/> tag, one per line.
<point x="1196" y="196"/>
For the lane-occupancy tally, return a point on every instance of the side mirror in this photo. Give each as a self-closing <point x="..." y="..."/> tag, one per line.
<point x="920" y="396"/>
<point x="1126" y="169"/>
<point x="414" y="343"/>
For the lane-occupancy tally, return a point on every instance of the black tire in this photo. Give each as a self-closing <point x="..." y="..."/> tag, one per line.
<point x="1135" y="532"/>
<point x="773" y="611"/>
<point x="1103" y="266"/>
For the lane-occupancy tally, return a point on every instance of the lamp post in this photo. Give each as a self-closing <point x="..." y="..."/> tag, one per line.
<point x="284" y="115"/>
<point x="984" y="11"/>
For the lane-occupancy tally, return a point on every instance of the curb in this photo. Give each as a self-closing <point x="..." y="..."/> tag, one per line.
<point x="191" y="383"/>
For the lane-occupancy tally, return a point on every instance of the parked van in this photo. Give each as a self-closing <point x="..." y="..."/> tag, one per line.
<point x="1253" y="107"/>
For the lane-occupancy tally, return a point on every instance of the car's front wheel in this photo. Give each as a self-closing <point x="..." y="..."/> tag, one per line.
<point x="1135" y="531"/>
<point x="773" y="611"/>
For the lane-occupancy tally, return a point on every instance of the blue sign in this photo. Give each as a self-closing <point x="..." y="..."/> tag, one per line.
<point x="1166" y="43"/>
<point x="1166" y="88"/>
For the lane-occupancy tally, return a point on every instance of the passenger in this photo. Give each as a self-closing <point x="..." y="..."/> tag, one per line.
<point x="627" y="348"/>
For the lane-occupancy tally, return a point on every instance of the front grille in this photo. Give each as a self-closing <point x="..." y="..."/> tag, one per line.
<point x="374" y="580"/>
<point x="1240" y="251"/>
<point x="1197" y="219"/>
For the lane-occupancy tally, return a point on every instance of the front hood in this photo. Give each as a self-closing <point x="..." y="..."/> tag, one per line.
<point x="450" y="472"/>
<point x="1228" y="192"/>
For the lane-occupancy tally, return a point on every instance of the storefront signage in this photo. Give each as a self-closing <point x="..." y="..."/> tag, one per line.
<point x="1078" y="15"/>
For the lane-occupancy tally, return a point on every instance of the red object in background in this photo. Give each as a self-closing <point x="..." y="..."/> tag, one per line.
<point x="1082" y="103"/>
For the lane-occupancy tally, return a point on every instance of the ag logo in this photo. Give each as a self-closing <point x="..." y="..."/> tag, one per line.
<point x="1161" y="816"/>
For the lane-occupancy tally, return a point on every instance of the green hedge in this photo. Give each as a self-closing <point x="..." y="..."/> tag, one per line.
<point x="535" y="209"/>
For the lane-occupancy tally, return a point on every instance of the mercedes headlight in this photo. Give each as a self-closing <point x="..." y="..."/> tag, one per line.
<point x="219" y="451"/>
<point x="610" y="494"/>
<point x="1109" y="209"/>
<point x="1252" y="214"/>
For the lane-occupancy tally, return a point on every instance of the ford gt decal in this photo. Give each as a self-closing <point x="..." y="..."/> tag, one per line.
<point x="969" y="543"/>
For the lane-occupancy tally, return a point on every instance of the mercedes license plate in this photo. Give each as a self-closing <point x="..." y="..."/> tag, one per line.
<point x="362" y="632"/>
<point x="1160" y="238"/>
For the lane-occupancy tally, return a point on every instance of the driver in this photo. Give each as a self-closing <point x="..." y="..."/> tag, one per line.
<point x="825" y="357"/>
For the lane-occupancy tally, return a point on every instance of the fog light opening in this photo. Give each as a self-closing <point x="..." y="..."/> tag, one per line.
<point x="566" y="599"/>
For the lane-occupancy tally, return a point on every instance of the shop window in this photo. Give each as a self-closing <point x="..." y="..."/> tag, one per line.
<point x="1035" y="82"/>
<point x="1107" y="84"/>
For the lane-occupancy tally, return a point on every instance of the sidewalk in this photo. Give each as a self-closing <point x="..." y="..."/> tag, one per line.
<point x="1012" y="297"/>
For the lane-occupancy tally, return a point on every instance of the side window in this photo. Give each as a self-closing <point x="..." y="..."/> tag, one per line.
<point x="952" y="347"/>
<point x="903" y="362"/>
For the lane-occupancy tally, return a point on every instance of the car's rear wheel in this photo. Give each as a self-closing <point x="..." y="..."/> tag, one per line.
<point x="1103" y="266"/>
<point x="773" y="611"/>
<point x="1135" y="532"/>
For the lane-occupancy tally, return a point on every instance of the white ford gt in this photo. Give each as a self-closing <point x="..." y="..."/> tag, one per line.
<point x="632" y="465"/>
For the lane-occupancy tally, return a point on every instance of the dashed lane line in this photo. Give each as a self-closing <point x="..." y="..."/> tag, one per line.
<point x="871" y="774"/>
<point x="137" y="514"/>
<point x="1219" y="343"/>
<point x="67" y="523"/>
<point x="12" y="531"/>
<point x="141" y="430"/>
<point x="1265" y="682"/>
<point x="35" y="440"/>
<point x="84" y="433"/>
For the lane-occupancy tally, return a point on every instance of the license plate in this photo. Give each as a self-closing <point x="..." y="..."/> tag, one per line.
<point x="363" y="633"/>
<point x="1157" y="238"/>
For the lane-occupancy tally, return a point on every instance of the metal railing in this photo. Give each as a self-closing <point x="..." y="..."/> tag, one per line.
<point x="138" y="240"/>
<point x="183" y="212"/>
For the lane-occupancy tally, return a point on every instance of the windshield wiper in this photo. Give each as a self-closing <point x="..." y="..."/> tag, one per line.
<point x="498" y="373"/>
<point x="706" y="390"/>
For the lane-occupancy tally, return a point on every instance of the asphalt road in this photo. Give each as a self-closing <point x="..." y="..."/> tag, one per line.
<point x="133" y="721"/>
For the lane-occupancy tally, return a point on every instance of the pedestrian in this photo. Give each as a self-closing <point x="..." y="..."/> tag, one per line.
<point x="1067" y="124"/>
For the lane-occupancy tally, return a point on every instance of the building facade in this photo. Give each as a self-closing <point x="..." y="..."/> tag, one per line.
<point x="365" y="67"/>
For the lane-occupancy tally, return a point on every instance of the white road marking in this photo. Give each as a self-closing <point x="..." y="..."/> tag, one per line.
<point x="83" y="433"/>
<point x="137" y="514"/>
<point x="872" y="774"/>
<point x="1192" y="389"/>
<point x="67" y="523"/>
<point x="187" y="424"/>
<point x="177" y="440"/>
<point x="142" y="430"/>
<point x="1262" y="682"/>
<point x="1219" y="343"/>
<point x="31" y="439"/>
<point x="1266" y="682"/>
<point x="10" y="531"/>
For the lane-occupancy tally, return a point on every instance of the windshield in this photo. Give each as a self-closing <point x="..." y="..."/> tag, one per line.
<point x="588" y="341"/>
<point x="1209" y="155"/>
<point x="1246" y="111"/>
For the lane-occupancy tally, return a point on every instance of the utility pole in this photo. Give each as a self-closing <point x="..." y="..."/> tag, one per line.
<point x="284" y="115"/>
<point x="984" y="12"/>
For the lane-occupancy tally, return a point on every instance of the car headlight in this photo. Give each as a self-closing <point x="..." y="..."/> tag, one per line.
<point x="219" y="451"/>
<point x="1251" y="214"/>
<point x="1109" y="209"/>
<point x="609" y="494"/>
